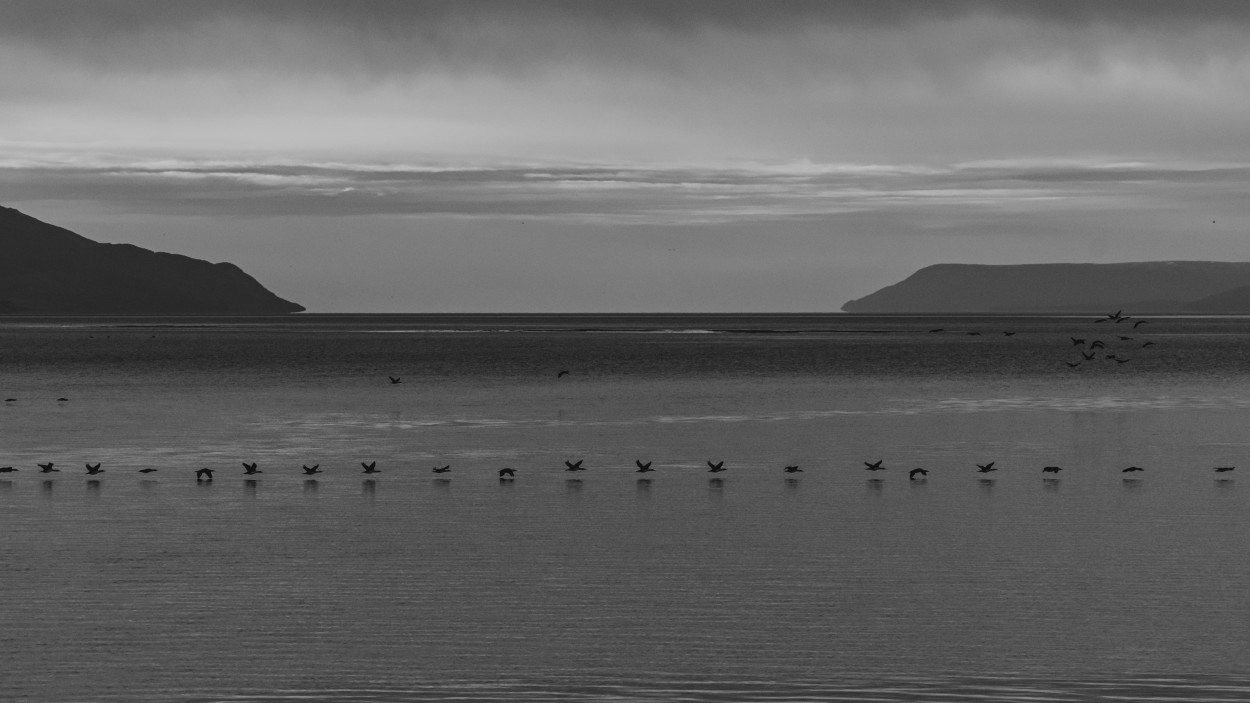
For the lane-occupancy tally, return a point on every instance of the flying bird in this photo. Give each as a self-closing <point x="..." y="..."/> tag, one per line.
<point x="1097" y="344"/>
<point x="93" y="470"/>
<point x="875" y="466"/>
<point x="574" y="465"/>
<point x="370" y="468"/>
<point x="1223" y="469"/>
<point x="444" y="469"/>
<point x="1131" y="469"/>
<point x="395" y="381"/>
<point x="1147" y="344"/>
<point x="973" y="334"/>
<point x="1076" y="342"/>
<point x="10" y="400"/>
<point x="62" y="400"/>
<point x="716" y="468"/>
<point x="312" y="470"/>
<point x="939" y="329"/>
<point x="47" y="468"/>
<point x="1123" y="338"/>
<point x="1118" y="360"/>
<point x="250" y="469"/>
<point x="562" y="374"/>
<point x="1009" y="334"/>
<point x="1072" y="364"/>
<point x="508" y="473"/>
<point x="1088" y="357"/>
<point x="792" y="470"/>
<point x="986" y="468"/>
<point x="146" y="471"/>
<point x="1139" y="322"/>
<point x="1051" y="469"/>
<point x="7" y="469"/>
<point x="916" y="472"/>
<point x="203" y="475"/>
<point x="643" y="468"/>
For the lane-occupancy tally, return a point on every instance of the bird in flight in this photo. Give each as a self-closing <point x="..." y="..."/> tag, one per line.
<point x="62" y="400"/>
<point x="203" y="474"/>
<point x="250" y="469"/>
<point x="1088" y="357"/>
<point x="574" y="465"/>
<point x="1223" y="469"/>
<point x="1009" y="334"/>
<point x="1076" y="342"/>
<point x="10" y="400"/>
<point x="370" y="468"/>
<point x="986" y="468"/>
<point x="444" y="469"/>
<point x="507" y="473"/>
<point x="47" y="468"/>
<point x="562" y="374"/>
<point x="1147" y="344"/>
<point x="792" y="470"/>
<point x="1123" y="338"/>
<point x="1118" y="360"/>
<point x="314" y="469"/>
<point x="1139" y="322"/>
<point x="716" y="468"/>
<point x="92" y="470"/>
<point x="916" y="472"/>
<point x="395" y="380"/>
<point x="1131" y="469"/>
<point x="7" y="469"/>
<point x="1072" y="364"/>
<point x="146" y="471"/>
<point x="643" y="468"/>
<point x="1097" y="344"/>
<point x="939" y="329"/>
<point x="875" y="466"/>
<point x="1051" y="469"/>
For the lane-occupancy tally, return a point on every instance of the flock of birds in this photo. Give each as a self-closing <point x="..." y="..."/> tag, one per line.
<point x="1095" y="349"/>
<point x="507" y="473"/>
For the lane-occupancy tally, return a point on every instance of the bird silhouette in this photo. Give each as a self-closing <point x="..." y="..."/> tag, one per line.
<point x="1009" y="334"/>
<point x="507" y="473"/>
<point x="986" y="468"/>
<point x="443" y="469"/>
<point x="562" y="374"/>
<point x="1139" y="322"/>
<point x="1223" y="469"/>
<point x="1118" y="360"/>
<point x="574" y="465"/>
<point x="62" y="400"/>
<point x="973" y="334"/>
<point x="1088" y="357"/>
<point x="875" y="466"/>
<point x="1076" y="342"/>
<point x="1124" y="339"/>
<point x="47" y="468"/>
<point x="792" y="470"/>
<point x="314" y="469"/>
<point x="250" y="469"/>
<point x="7" y="469"/>
<point x="1131" y="469"/>
<point x="395" y="381"/>
<point x="1097" y="344"/>
<point x="1072" y="364"/>
<point x="93" y="470"/>
<point x="1051" y="469"/>
<point x="203" y="475"/>
<point x="1147" y="344"/>
<point x="370" y="468"/>
<point x="10" y="400"/>
<point x="938" y="329"/>
<point x="916" y="472"/>
<point x="716" y="468"/>
<point x="643" y="468"/>
<point x="147" y="471"/>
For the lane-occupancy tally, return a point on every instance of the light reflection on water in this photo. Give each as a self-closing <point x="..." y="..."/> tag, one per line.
<point x="751" y="584"/>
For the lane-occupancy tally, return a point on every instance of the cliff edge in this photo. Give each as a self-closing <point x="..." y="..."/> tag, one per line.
<point x="1143" y="287"/>
<point x="45" y="269"/>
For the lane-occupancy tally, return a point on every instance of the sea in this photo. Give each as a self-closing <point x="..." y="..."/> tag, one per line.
<point x="830" y="583"/>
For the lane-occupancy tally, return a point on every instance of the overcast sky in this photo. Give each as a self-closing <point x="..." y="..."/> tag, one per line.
<point x="710" y="155"/>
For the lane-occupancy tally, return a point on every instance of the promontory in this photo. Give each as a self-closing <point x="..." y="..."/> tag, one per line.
<point x="1142" y="287"/>
<point x="45" y="269"/>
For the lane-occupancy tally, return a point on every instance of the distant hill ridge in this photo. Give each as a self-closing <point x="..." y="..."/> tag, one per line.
<point x="47" y="269"/>
<point x="1142" y="287"/>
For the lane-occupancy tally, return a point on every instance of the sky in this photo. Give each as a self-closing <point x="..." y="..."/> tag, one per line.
<point x="594" y="156"/>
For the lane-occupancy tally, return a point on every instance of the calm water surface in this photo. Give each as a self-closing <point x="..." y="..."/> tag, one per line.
<point x="831" y="584"/>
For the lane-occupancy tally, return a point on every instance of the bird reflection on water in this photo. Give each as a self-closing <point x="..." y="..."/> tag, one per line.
<point x="310" y="487"/>
<point x="986" y="485"/>
<point x="249" y="487"/>
<point x="573" y="485"/>
<point x="1051" y="484"/>
<point x="874" y="485"/>
<point x="442" y="483"/>
<point x="643" y="487"/>
<point x="93" y="488"/>
<point x="1224" y="483"/>
<point x="792" y="483"/>
<point x="369" y="488"/>
<point x="45" y="488"/>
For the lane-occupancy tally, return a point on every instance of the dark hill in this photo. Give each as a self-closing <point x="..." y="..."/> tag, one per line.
<point x="1145" y="287"/>
<point x="47" y="269"/>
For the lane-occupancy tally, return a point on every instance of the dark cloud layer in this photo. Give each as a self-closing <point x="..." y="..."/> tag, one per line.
<point x="98" y="17"/>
